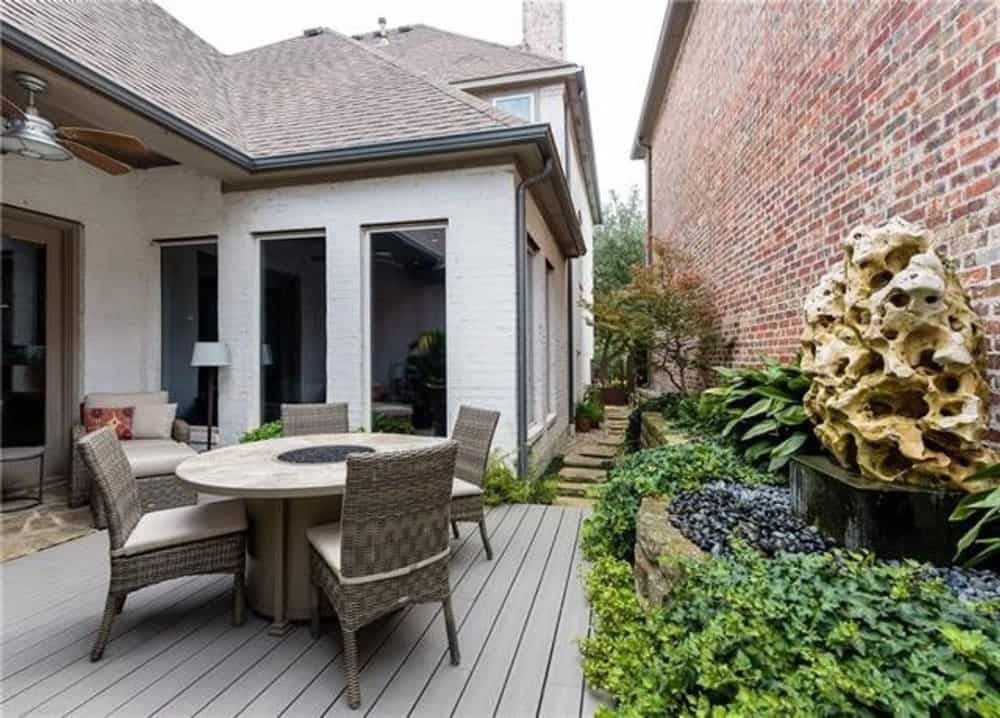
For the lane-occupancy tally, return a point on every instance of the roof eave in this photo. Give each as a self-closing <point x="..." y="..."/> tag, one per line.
<point x="672" y="31"/>
<point x="593" y="190"/>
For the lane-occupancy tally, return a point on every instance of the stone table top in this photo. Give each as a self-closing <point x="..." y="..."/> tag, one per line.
<point x="253" y="470"/>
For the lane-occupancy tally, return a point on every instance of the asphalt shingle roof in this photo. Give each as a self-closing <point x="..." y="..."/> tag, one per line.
<point x="322" y="92"/>
<point x="454" y="57"/>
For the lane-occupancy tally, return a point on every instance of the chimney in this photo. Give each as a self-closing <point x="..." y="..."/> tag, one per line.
<point x="543" y="27"/>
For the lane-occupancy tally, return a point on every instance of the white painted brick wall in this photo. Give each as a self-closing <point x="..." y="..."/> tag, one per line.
<point x="121" y="317"/>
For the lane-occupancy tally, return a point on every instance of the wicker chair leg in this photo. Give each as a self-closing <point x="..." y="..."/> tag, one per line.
<point x="454" y="528"/>
<point x="486" y="539"/>
<point x="314" y="599"/>
<point x="120" y="603"/>
<point x="449" y="624"/>
<point x="110" y="611"/>
<point x="351" y="667"/>
<point x="239" y="599"/>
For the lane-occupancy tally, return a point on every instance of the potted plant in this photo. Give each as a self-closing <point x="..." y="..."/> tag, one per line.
<point x="425" y="370"/>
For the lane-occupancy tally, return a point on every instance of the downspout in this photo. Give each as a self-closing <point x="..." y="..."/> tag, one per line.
<point x="521" y="274"/>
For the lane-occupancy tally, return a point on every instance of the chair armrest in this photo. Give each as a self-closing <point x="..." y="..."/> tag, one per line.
<point x="79" y="478"/>
<point x="182" y="431"/>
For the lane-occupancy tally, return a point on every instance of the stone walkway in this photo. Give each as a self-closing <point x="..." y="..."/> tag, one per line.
<point x="589" y="456"/>
<point x="50" y="523"/>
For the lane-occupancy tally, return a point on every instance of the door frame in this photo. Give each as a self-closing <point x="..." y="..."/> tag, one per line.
<point x="71" y="237"/>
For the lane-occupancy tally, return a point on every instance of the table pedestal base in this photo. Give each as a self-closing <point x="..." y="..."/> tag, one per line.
<point x="278" y="583"/>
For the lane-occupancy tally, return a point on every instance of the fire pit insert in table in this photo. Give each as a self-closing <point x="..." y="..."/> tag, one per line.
<point x="330" y="454"/>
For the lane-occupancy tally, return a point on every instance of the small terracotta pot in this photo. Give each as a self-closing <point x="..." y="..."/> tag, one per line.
<point x="584" y="424"/>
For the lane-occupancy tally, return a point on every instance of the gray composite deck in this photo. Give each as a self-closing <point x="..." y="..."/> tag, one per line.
<point x="174" y="653"/>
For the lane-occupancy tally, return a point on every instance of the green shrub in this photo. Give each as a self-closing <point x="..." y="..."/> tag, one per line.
<point x="382" y="424"/>
<point x="799" y="635"/>
<point x="765" y="412"/>
<point x="270" y="430"/>
<point x="501" y="486"/>
<point x="685" y="412"/>
<point x="592" y="410"/>
<point x="610" y="529"/>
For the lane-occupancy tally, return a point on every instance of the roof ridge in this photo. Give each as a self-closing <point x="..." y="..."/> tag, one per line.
<point x="484" y="108"/>
<point x="511" y="48"/>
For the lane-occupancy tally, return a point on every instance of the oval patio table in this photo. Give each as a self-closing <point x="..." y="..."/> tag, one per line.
<point x="285" y="494"/>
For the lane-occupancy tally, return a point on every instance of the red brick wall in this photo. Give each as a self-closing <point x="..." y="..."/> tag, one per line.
<point x="788" y="124"/>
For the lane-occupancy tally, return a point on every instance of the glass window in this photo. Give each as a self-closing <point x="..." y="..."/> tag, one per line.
<point x="293" y="322"/>
<point x="530" y="321"/>
<point x="518" y="105"/>
<point x="189" y="313"/>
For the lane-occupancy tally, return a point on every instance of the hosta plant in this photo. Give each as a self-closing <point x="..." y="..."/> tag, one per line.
<point x="764" y="406"/>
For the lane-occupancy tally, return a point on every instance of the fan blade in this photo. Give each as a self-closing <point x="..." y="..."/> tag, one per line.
<point x="102" y="140"/>
<point x="98" y="159"/>
<point x="10" y="109"/>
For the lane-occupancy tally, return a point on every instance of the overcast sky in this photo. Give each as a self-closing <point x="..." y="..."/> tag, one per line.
<point x="613" y="41"/>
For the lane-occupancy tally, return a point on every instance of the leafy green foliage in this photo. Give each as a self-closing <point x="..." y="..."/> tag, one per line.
<point x="987" y="503"/>
<point x="799" y="635"/>
<point x="685" y="412"/>
<point x="382" y="424"/>
<point x="501" y="486"/>
<point x="270" y="430"/>
<point x="619" y="241"/>
<point x="610" y="529"/>
<point x="590" y="409"/>
<point x="765" y="413"/>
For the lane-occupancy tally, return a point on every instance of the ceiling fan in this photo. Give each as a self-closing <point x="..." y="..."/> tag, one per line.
<point x="28" y="134"/>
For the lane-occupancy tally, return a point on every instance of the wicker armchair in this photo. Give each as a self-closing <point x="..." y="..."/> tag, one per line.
<point x="158" y="546"/>
<point x="156" y="492"/>
<point x="474" y="430"/>
<point x="305" y="419"/>
<point x="390" y="548"/>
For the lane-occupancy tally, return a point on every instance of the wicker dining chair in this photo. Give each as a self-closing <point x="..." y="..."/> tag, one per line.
<point x="389" y="549"/>
<point x="474" y="430"/>
<point x="305" y="419"/>
<point x="160" y="545"/>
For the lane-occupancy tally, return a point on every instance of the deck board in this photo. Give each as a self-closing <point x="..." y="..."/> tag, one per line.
<point x="174" y="652"/>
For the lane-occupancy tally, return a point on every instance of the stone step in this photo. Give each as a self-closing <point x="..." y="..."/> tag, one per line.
<point x="617" y="412"/>
<point x="601" y="451"/>
<point x="615" y="440"/>
<point x="573" y="502"/>
<point x="575" y="473"/>
<point x="587" y="462"/>
<point x="570" y="488"/>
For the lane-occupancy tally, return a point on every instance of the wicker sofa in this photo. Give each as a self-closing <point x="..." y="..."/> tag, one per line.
<point x="152" y="460"/>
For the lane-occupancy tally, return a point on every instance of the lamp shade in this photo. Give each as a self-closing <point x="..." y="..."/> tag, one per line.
<point x="210" y="354"/>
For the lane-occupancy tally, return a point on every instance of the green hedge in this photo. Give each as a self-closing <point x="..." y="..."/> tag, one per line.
<point x="799" y="635"/>
<point x="610" y="529"/>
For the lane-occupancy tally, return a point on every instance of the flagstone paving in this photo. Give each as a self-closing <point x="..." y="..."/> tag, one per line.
<point x="589" y="456"/>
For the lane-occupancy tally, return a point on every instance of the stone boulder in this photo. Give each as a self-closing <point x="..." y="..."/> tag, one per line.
<point x="896" y="355"/>
<point x="660" y="550"/>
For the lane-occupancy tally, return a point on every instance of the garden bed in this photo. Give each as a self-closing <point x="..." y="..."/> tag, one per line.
<point x="772" y="618"/>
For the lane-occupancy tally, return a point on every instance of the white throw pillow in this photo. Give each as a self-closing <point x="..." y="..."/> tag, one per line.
<point x="153" y="421"/>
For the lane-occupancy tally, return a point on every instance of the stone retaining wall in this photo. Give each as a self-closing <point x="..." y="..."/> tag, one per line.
<point x="659" y="550"/>
<point x="656" y="432"/>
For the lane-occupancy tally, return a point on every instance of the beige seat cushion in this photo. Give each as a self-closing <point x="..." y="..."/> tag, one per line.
<point x="460" y="489"/>
<point x="184" y="524"/>
<point x="155" y="457"/>
<point x="326" y="540"/>
<point x="107" y="400"/>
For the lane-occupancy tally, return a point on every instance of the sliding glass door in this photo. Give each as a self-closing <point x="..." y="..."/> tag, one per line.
<point x="189" y="313"/>
<point x="293" y="321"/>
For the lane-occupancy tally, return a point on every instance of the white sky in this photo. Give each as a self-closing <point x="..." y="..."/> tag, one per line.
<point x="614" y="43"/>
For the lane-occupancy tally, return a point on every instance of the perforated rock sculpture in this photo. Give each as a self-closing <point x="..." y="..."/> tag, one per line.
<point x="896" y="357"/>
